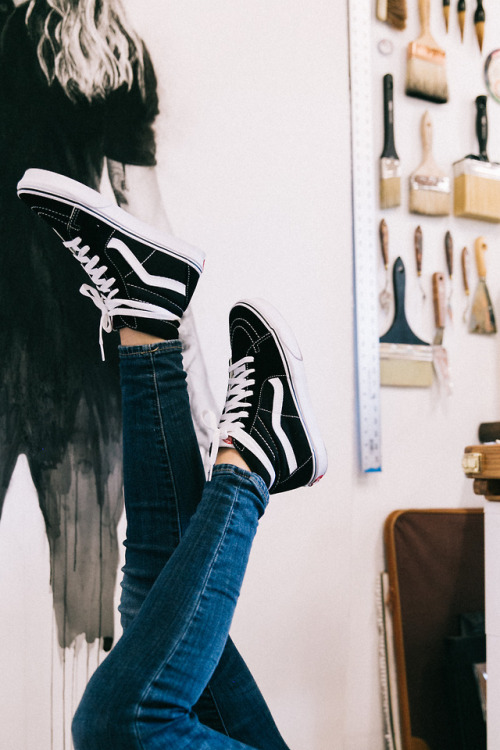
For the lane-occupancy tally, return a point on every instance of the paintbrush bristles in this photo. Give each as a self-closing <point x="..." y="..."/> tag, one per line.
<point x="477" y="197"/>
<point x="405" y="374"/>
<point x="390" y="192"/>
<point x="407" y="366"/>
<point x="426" y="73"/>
<point x="446" y="14"/>
<point x="461" y="22"/>
<point x="390" y="182"/>
<point x="480" y="34"/>
<point x="392" y="12"/>
<point x="428" y="200"/>
<point x="397" y="14"/>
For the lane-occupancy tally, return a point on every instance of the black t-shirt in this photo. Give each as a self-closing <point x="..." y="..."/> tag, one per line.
<point x="49" y="332"/>
<point x="42" y="127"/>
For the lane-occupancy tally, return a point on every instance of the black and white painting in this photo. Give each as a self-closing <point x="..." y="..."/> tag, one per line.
<point x="221" y="122"/>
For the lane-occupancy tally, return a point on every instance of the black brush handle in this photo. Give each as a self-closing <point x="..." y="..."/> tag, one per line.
<point x="400" y="332"/>
<point x="389" y="151"/>
<point x="446" y="13"/>
<point x="482" y="127"/>
<point x="479" y="15"/>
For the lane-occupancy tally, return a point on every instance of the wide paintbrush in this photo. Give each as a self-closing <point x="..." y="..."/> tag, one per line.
<point x="476" y="192"/>
<point x="405" y="360"/>
<point x="430" y="188"/>
<point x="426" y="63"/>
<point x="390" y="168"/>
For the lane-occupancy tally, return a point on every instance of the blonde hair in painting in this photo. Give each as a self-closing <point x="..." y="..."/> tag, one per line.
<point x="88" y="46"/>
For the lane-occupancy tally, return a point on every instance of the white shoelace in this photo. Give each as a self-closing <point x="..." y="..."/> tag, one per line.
<point x="238" y="391"/>
<point x="104" y="296"/>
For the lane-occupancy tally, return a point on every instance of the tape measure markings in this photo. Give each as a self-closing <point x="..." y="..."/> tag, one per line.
<point x="363" y="195"/>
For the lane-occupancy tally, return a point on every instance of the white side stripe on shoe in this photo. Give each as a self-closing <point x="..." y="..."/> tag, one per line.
<point x="159" y="281"/>
<point x="277" y="411"/>
<point x="249" y="442"/>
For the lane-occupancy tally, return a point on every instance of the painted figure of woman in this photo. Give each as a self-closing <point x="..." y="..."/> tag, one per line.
<point x="77" y="96"/>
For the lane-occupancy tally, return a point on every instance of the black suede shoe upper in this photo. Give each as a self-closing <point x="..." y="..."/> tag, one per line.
<point x="253" y="336"/>
<point x="142" y="268"/>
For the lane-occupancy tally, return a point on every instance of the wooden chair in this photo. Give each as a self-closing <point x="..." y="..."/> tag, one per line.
<point x="435" y="562"/>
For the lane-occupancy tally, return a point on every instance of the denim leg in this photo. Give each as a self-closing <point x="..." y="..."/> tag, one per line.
<point x="142" y="695"/>
<point x="163" y="480"/>
<point x="232" y="703"/>
<point x="162" y="467"/>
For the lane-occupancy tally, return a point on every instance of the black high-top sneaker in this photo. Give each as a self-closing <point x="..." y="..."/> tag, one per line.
<point x="142" y="278"/>
<point x="268" y="416"/>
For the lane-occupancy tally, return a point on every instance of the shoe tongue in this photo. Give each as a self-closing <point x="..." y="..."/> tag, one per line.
<point x="241" y="344"/>
<point x="245" y="342"/>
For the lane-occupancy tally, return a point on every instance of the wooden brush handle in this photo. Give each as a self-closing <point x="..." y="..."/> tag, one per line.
<point x="426" y="131"/>
<point x="465" y="270"/>
<point x="448" y="246"/>
<point x="384" y="242"/>
<point x="424" y="10"/>
<point x="439" y="299"/>
<point x="418" y="250"/>
<point x="480" y="247"/>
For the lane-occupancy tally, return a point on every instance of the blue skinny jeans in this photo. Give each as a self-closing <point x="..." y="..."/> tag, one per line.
<point x="175" y="679"/>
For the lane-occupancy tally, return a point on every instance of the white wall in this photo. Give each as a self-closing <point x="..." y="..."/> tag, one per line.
<point x="255" y="168"/>
<point x="424" y="432"/>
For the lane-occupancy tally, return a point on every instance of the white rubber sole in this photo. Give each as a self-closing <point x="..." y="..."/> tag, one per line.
<point x="294" y="365"/>
<point x="44" y="183"/>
